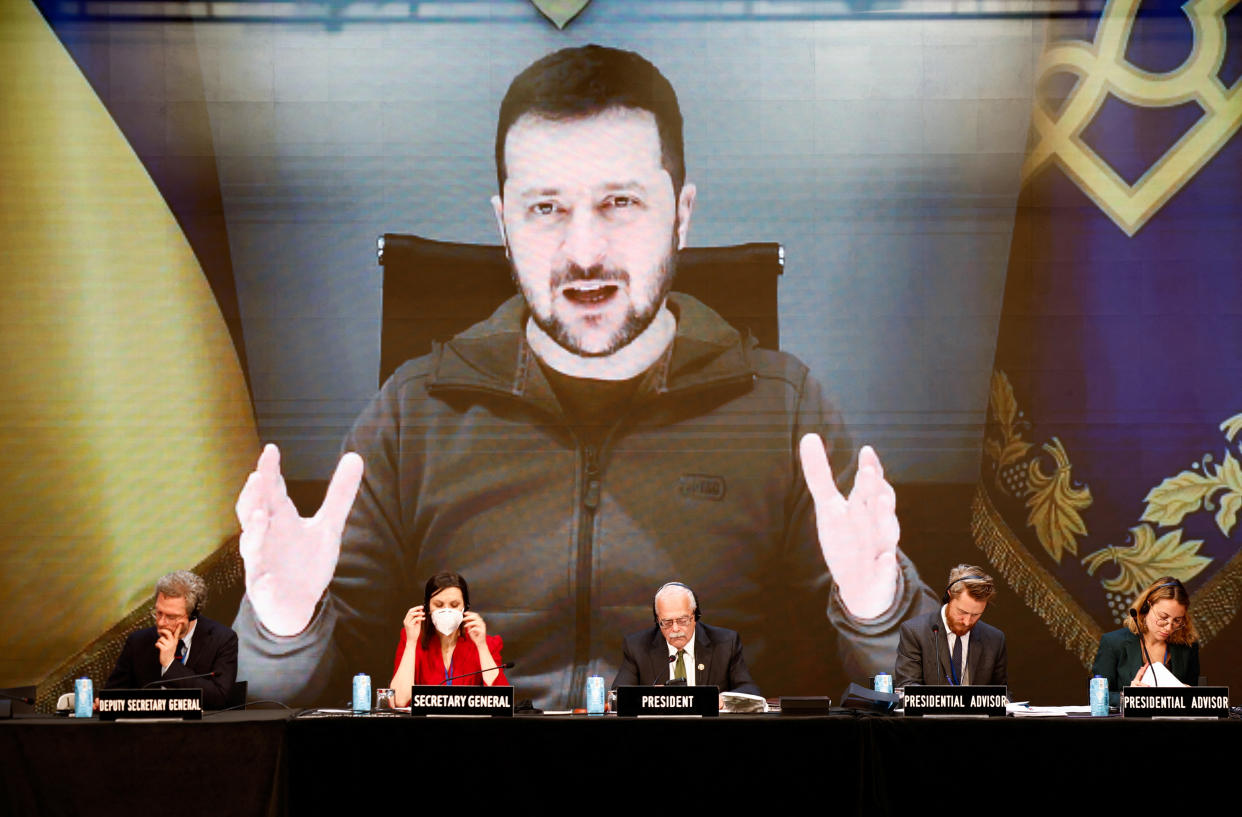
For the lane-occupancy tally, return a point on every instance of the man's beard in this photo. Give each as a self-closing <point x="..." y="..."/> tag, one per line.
<point x="635" y="322"/>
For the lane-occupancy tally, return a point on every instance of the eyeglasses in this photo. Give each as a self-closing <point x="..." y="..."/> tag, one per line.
<point x="680" y="621"/>
<point x="1172" y="624"/>
<point x="158" y="616"/>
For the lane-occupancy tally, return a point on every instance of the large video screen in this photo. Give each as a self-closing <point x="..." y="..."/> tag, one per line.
<point x="1005" y="264"/>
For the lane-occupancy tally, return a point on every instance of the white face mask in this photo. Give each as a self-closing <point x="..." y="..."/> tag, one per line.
<point x="447" y="620"/>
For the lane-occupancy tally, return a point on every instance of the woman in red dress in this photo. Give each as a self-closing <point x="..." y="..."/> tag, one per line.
<point x="453" y="643"/>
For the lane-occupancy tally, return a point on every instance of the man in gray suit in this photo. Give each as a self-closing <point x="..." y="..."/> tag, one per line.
<point x="968" y="651"/>
<point x="681" y="648"/>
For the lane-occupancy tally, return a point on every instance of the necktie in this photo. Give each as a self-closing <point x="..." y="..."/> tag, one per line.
<point x="180" y="654"/>
<point x="957" y="660"/>
<point x="679" y="669"/>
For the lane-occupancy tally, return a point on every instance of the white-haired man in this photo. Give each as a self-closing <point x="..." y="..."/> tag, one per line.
<point x="680" y="647"/>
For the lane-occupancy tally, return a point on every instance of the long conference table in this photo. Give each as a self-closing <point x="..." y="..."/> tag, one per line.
<point x="274" y="762"/>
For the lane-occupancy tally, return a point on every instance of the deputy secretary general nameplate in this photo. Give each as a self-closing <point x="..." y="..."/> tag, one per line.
<point x="470" y="701"/>
<point x="968" y="701"/>
<point x="150" y="704"/>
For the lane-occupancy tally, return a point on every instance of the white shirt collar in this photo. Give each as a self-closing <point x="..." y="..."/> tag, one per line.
<point x="631" y="360"/>
<point x="690" y="665"/>
<point x="952" y="635"/>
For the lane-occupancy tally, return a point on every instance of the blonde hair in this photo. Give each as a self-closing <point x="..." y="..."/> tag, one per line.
<point x="971" y="580"/>
<point x="1166" y="587"/>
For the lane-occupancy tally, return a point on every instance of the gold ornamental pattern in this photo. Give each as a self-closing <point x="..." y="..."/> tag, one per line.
<point x="1101" y="70"/>
<point x="1042" y="477"/>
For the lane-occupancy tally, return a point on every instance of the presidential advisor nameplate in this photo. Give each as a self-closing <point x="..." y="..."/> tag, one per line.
<point x="1175" y="702"/>
<point x="956" y="701"/>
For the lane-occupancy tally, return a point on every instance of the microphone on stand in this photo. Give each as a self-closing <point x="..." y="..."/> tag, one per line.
<point x="1142" y="641"/>
<point x="936" y="638"/>
<point x="505" y="665"/>
<point x="670" y="681"/>
<point x="181" y="678"/>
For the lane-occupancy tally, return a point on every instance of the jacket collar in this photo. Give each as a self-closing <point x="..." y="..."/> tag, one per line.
<point x="702" y="654"/>
<point x="494" y="355"/>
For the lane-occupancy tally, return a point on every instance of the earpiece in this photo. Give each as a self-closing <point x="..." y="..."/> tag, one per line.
<point x="697" y="613"/>
<point x="1146" y="608"/>
<point x="945" y="598"/>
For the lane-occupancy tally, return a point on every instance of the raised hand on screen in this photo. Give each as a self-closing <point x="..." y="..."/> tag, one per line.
<point x="289" y="560"/>
<point x="858" y="534"/>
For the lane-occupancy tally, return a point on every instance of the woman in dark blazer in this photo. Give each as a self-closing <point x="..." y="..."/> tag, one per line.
<point x="1160" y="617"/>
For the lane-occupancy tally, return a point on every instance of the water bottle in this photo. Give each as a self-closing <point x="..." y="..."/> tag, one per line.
<point x="1099" y="697"/>
<point x="362" y="692"/>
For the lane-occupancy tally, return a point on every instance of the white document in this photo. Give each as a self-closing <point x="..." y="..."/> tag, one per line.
<point x="743" y="702"/>
<point x="1158" y="675"/>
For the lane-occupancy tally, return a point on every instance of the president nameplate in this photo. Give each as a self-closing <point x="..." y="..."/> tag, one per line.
<point x="1175" y="702"/>
<point x="150" y="704"/>
<point x="960" y="701"/>
<point x="674" y="701"/>
<point x="477" y="701"/>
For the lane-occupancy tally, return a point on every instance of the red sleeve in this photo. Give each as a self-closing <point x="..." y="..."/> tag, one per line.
<point x="396" y="662"/>
<point x="494" y="645"/>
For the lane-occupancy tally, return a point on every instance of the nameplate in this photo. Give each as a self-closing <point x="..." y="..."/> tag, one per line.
<point x="1175" y="702"/>
<point x="961" y="701"/>
<point x="480" y="701"/>
<point x="150" y="704"/>
<point x="668" y="701"/>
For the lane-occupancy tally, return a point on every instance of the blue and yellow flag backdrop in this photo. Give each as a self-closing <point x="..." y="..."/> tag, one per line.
<point x="1113" y="450"/>
<point x="125" y="424"/>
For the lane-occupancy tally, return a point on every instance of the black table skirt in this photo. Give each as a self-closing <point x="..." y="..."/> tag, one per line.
<point x="228" y="763"/>
<point x="264" y="762"/>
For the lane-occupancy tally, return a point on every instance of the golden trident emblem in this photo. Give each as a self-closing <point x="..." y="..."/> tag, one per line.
<point x="1102" y="69"/>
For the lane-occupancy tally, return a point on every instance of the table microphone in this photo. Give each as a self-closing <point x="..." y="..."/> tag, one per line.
<point x="669" y="680"/>
<point x="936" y="638"/>
<point x="505" y="665"/>
<point x="181" y="678"/>
<point x="6" y="696"/>
<point x="1142" y="641"/>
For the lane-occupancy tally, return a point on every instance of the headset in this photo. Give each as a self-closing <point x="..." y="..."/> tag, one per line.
<point x="1146" y="608"/>
<point x="697" y="613"/>
<point x="429" y="592"/>
<point x="945" y="598"/>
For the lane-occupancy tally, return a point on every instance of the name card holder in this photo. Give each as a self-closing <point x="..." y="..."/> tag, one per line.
<point x="1175" y="702"/>
<point x="678" y="701"/>
<point x="469" y="701"/>
<point x="972" y="701"/>
<point x="150" y="704"/>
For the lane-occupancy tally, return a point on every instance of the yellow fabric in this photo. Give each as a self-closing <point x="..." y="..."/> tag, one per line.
<point x="125" y="425"/>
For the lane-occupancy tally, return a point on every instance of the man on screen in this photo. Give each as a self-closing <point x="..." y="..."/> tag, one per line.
<point x="184" y="649"/>
<point x="952" y="645"/>
<point x="682" y="649"/>
<point x="553" y="449"/>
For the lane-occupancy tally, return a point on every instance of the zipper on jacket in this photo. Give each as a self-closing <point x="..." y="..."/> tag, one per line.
<point x="585" y="557"/>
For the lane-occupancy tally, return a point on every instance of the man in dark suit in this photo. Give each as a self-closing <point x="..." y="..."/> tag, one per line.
<point x="180" y="646"/>
<point x="969" y="651"/>
<point x="682" y="648"/>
